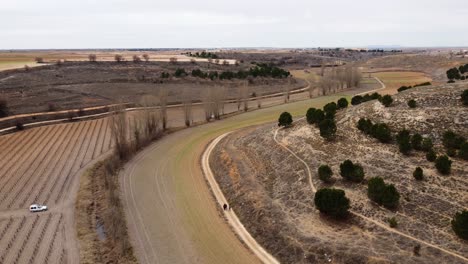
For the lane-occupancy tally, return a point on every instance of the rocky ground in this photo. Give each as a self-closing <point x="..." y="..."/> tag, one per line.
<point x="269" y="188"/>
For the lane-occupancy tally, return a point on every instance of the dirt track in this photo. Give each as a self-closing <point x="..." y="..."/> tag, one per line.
<point x="171" y="214"/>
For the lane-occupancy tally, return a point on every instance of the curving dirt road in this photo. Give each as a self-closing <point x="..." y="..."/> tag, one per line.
<point x="171" y="214"/>
<point x="170" y="211"/>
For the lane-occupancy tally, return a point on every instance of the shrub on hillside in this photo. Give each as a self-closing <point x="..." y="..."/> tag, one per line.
<point x="342" y="103"/>
<point x="427" y="144"/>
<point x="356" y="100"/>
<point x="392" y="222"/>
<point x="327" y="129"/>
<point x="451" y="140"/>
<point x="464" y="97"/>
<point x="404" y="141"/>
<point x="325" y="173"/>
<point x="285" y="119"/>
<point x="314" y="116"/>
<point x="412" y="103"/>
<point x="463" y="153"/>
<point x="381" y="193"/>
<point x="460" y="224"/>
<point x="443" y="164"/>
<point x="418" y="174"/>
<point x="332" y="202"/>
<point x="431" y="155"/>
<point x="386" y="100"/>
<point x="180" y="73"/>
<point x="365" y="125"/>
<point x="416" y="141"/>
<point x="351" y="172"/>
<point x="381" y="132"/>
<point x="330" y="110"/>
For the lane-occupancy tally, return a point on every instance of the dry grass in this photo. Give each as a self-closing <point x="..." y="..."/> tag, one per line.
<point x="395" y="79"/>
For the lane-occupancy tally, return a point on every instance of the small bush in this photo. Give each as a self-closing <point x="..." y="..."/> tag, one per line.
<point x="412" y="103"/>
<point x="427" y="144"/>
<point x="404" y="141"/>
<point x="431" y="155"/>
<point x="416" y="141"/>
<point x="464" y="97"/>
<point x="443" y="164"/>
<point x="451" y="152"/>
<point x="365" y="125"/>
<point x="356" y="100"/>
<point x="330" y="110"/>
<point x="342" y="103"/>
<point x="19" y="126"/>
<point x="418" y="174"/>
<point x="460" y="224"/>
<point x="381" y="132"/>
<point x="381" y="193"/>
<point x="285" y="119"/>
<point x="463" y="153"/>
<point x="351" y="172"/>
<point x="332" y="202"/>
<point x="325" y="173"/>
<point x="386" y="100"/>
<point x="451" y="140"/>
<point x="327" y="129"/>
<point x="392" y="222"/>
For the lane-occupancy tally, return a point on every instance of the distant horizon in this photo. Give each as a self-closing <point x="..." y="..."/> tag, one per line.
<point x="385" y="47"/>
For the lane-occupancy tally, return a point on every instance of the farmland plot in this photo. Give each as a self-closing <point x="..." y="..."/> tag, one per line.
<point x="42" y="165"/>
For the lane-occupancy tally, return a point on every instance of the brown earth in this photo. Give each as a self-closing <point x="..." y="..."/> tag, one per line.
<point x="271" y="191"/>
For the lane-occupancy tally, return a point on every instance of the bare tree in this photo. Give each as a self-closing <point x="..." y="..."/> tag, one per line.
<point x="163" y="93"/>
<point x="119" y="130"/>
<point x="187" y="106"/>
<point x="118" y="58"/>
<point x="136" y="59"/>
<point x="287" y="91"/>
<point x="258" y="98"/>
<point x="244" y="94"/>
<point x="173" y="60"/>
<point x="217" y="61"/>
<point x="225" y="62"/>
<point x="322" y="68"/>
<point x="218" y="97"/>
<point x="146" y="57"/>
<point x="92" y="57"/>
<point x="193" y="61"/>
<point x="39" y="60"/>
<point x="207" y="104"/>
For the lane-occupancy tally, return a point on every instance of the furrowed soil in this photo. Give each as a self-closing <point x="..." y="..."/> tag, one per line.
<point x="269" y="188"/>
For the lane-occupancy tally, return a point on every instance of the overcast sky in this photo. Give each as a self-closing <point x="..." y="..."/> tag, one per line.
<point x="233" y="23"/>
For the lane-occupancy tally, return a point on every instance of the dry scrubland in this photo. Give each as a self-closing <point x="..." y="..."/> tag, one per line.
<point x="43" y="165"/>
<point x="432" y="65"/>
<point x="83" y="84"/>
<point x="270" y="191"/>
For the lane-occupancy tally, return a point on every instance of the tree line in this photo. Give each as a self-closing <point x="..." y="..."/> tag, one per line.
<point x="457" y="73"/>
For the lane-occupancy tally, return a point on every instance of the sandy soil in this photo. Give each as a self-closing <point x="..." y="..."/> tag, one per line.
<point x="42" y="165"/>
<point x="273" y="186"/>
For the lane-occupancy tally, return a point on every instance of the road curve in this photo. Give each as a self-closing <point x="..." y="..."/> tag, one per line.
<point x="171" y="214"/>
<point x="230" y="215"/>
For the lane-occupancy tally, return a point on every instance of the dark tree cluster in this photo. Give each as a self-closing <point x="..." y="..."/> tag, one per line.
<point x="412" y="103"/>
<point x="325" y="173"/>
<point x="203" y="54"/>
<point x="453" y="143"/>
<point x="379" y="131"/>
<point x="359" y="99"/>
<point x="464" y="97"/>
<point x="260" y="70"/>
<point x="418" y="174"/>
<point x="332" y="202"/>
<point x="404" y="88"/>
<point x="443" y="164"/>
<point x="382" y="193"/>
<point x="180" y="73"/>
<point x="406" y="142"/>
<point x="460" y="224"/>
<point x="386" y="100"/>
<point x="351" y="172"/>
<point x="165" y="75"/>
<point x="457" y="73"/>
<point x="325" y="119"/>
<point x="285" y="119"/>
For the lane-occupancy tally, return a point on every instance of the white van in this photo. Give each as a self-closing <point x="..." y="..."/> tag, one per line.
<point x="37" y="208"/>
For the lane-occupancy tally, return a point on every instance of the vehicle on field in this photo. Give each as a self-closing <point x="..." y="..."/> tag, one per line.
<point x="37" y="208"/>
